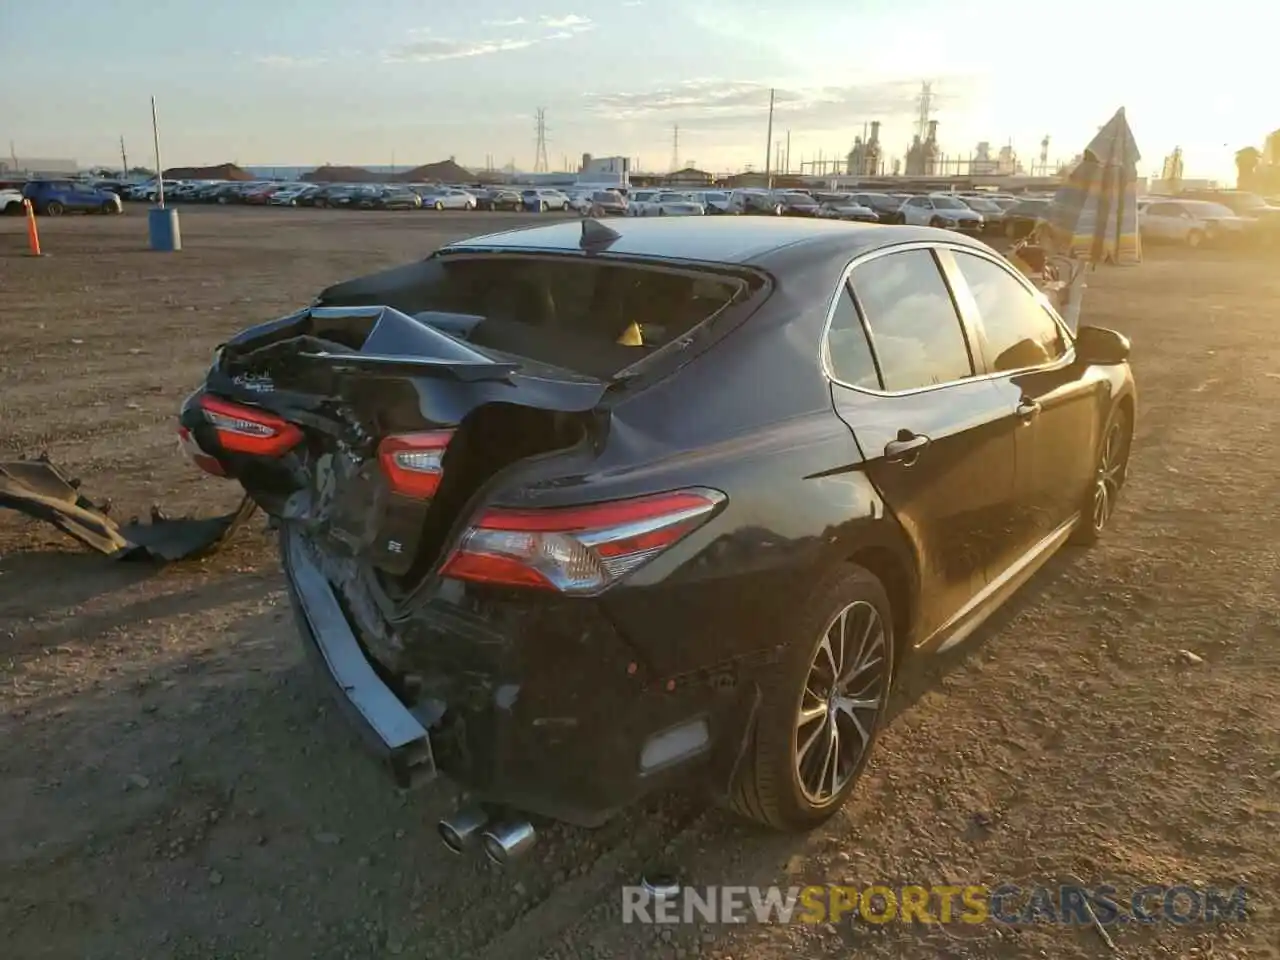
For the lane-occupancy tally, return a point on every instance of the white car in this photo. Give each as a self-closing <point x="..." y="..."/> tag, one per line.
<point x="668" y="204"/>
<point x="639" y="200"/>
<point x="941" y="210"/>
<point x="11" y="202"/>
<point x="1190" y="222"/>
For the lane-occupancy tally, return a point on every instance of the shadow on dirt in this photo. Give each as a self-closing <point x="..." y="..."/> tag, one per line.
<point x="223" y="784"/>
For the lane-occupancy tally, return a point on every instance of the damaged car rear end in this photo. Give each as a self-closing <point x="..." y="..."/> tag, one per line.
<point x="500" y="479"/>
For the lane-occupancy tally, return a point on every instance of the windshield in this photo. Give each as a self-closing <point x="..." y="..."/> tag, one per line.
<point x="797" y="198"/>
<point x="1206" y="209"/>
<point x="979" y="203"/>
<point x="948" y="203"/>
<point x="1248" y="201"/>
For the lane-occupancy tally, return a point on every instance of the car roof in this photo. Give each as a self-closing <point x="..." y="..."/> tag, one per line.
<point x="728" y="240"/>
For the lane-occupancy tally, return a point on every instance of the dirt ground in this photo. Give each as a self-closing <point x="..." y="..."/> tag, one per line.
<point x="174" y="784"/>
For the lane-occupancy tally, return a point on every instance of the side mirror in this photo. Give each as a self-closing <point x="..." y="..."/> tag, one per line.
<point x="1101" y="347"/>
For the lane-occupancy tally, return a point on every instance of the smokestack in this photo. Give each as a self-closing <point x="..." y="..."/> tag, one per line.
<point x="875" y="132"/>
<point x="933" y="130"/>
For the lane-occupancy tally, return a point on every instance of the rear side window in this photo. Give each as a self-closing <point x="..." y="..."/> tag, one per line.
<point x="1019" y="331"/>
<point x="914" y="326"/>
<point x="848" y="353"/>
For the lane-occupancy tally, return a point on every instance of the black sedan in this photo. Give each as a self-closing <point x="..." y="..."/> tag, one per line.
<point x="571" y="549"/>
<point x="499" y="200"/>
<point x="1022" y="218"/>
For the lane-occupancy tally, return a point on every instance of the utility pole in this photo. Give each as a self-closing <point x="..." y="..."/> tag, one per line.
<point x="540" y="164"/>
<point x="768" y="145"/>
<point x="786" y="167"/>
<point x="155" y="134"/>
<point x="675" y="147"/>
<point x="124" y="160"/>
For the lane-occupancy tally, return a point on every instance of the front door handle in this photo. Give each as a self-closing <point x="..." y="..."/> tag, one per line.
<point x="906" y="449"/>
<point x="1027" y="409"/>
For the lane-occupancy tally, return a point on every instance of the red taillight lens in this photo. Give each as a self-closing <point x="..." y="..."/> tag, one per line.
<point x="412" y="462"/>
<point x="248" y="430"/>
<point x="577" y="550"/>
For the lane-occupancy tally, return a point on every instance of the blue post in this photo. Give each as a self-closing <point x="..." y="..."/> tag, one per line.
<point x="162" y="227"/>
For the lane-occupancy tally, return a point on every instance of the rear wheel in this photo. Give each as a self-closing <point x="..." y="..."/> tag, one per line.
<point x="1108" y="479"/>
<point x="53" y="208"/>
<point x="822" y="709"/>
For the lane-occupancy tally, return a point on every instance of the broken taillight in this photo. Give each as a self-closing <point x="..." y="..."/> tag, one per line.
<point x="577" y="550"/>
<point x="204" y="461"/>
<point x="248" y="430"/>
<point x="412" y="462"/>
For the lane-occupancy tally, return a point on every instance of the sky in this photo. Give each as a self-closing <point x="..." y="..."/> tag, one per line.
<point x="305" y="82"/>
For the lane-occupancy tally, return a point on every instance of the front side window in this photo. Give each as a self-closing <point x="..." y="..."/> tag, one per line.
<point x="1019" y="331"/>
<point x="915" y="329"/>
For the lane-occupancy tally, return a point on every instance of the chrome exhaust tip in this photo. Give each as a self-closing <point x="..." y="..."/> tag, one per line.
<point x="503" y="842"/>
<point x="457" y="832"/>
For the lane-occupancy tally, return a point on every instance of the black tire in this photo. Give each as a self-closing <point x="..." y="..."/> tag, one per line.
<point x="769" y="789"/>
<point x="1111" y="470"/>
<point x="440" y="206"/>
<point x="13" y="209"/>
<point x="108" y="208"/>
<point x="935" y="222"/>
<point x="543" y="207"/>
<point x="53" y="208"/>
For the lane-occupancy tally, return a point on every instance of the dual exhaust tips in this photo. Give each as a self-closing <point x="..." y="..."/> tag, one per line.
<point x="501" y="840"/>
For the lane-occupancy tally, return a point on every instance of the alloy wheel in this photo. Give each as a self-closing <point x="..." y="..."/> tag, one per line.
<point x="1110" y="476"/>
<point x="842" y="697"/>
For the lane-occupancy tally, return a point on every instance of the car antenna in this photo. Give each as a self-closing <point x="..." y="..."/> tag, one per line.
<point x="595" y="235"/>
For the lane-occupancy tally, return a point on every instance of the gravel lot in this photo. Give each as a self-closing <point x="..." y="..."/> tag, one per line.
<point x="173" y="784"/>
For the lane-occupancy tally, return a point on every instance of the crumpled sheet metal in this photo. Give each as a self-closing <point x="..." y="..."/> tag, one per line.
<point x="38" y="489"/>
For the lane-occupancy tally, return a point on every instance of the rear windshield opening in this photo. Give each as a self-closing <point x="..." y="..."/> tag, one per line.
<point x="589" y="316"/>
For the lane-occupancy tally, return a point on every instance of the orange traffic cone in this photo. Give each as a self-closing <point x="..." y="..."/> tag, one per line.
<point x="33" y="232"/>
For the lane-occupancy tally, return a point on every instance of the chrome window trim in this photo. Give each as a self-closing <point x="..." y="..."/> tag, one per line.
<point x="824" y="353"/>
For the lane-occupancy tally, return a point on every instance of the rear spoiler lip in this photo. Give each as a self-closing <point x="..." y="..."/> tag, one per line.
<point x="375" y="364"/>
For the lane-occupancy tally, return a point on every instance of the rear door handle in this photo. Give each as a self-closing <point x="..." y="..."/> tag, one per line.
<point x="1027" y="410"/>
<point x="906" y="449"/>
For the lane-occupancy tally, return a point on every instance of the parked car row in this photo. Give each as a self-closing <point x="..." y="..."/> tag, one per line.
<point x="54" y="197"/>
<point x="354" y="196"/>
<point x="1209" y="218"/>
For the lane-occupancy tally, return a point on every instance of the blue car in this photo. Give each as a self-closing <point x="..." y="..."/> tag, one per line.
<point x="55" y="197"/>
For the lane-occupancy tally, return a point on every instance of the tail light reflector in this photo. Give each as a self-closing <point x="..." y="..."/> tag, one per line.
<point x="204" y="461"/>
<point x="412" y="462"/>
<point x="248" y="430"/>
<point x="577" y="550"/>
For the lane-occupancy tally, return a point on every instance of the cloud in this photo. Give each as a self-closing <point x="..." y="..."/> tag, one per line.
<point x="712" y="102"/>
<point x="430" y="49"/>
<point x="570" y="21"/>
<point x="284" y="61"/>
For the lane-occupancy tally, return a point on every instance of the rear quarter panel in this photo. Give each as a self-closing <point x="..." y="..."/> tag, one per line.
<point x="753" y="418"/>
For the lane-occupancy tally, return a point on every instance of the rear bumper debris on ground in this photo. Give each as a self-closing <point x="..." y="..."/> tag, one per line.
<point x="40" y="490"/>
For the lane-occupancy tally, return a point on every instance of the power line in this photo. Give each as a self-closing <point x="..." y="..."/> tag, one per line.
<point x="540" y="164"/>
